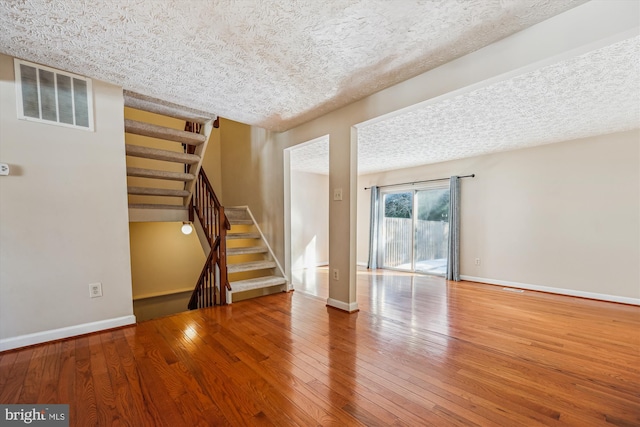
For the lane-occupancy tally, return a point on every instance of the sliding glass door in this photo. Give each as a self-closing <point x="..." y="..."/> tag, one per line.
<point x="415" y="229"/>
<point x="431" y="231"/>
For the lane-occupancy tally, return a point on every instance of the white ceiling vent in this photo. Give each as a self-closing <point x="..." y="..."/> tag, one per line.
<point x="53" y="96"/>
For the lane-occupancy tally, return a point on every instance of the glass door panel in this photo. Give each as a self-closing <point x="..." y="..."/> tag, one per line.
<point x="397" y="230"/>
<point x="431" y="232"/>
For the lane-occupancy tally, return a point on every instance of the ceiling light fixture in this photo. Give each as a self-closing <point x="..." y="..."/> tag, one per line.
<point x="187" y="228"/>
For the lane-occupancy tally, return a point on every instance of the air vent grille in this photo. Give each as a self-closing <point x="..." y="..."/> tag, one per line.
<point x="52" y="96"/>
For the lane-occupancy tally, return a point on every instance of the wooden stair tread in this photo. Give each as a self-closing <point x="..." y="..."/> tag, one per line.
<point x="158" y="174"/>
<point x="247" y="250"/>
<point x="158" y="154"/>
<point x="243" y="235"/>
<point x="161" y="132"/>
<point x="154" y="206"/>
<point x="153" y="105"/>
<point x="147" y="191"/>
<point x="258" y="283"/>
<point x="250" y="266"/>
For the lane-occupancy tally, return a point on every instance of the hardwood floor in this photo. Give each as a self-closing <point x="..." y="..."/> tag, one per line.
<point x="421" y="351"/>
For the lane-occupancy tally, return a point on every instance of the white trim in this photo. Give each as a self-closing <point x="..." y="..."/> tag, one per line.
<point x="341" y="305"/>
<point x="288" y="262"/>
<point x="560" y="291"/>
<point x="362" y="264"/>
<point x="69" y="331"/>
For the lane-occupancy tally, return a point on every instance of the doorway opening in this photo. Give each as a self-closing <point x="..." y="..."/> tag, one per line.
<point x="307" y="213"/>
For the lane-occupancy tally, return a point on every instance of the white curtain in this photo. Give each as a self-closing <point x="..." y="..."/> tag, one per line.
<point x="453" y="259"/>
<point x="373" y="227"/>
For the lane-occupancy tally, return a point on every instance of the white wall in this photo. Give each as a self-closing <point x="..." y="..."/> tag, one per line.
<point x="309" y="220"/>
<point x="564" y="216"/>
<point x="63" y="222"/>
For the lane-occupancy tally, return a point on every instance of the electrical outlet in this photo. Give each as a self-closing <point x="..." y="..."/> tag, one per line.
<point x="336" y="275"/>
<point x="95" y="290"/>
<point x="337" y="194"/>
<point x="477" y="261"/>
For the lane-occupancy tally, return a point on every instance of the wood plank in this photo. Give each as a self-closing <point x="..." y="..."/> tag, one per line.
<point x="14" y="379"/>
<point x="51" y="373"/>
<point x="34" y="377"/>
<point x="85" y="410"/>
<point x="421" y="351"/>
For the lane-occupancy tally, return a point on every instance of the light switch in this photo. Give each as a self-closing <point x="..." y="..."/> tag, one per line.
<point x="337" y="194"/>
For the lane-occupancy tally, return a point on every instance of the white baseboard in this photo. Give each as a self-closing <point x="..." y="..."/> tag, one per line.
<point x="362" y="264"/>
<point x="560" y="291"/>
<point x="340" y="305"/>
<point x="69" y="331"/>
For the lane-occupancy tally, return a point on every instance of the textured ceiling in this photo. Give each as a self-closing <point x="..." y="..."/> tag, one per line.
<point x="592" y="94"/>
<point x="270" y="63"/>
<point x="587" y="95"/>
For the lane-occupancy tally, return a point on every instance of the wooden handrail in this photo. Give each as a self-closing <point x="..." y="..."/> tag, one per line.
<point x="206" y="206"/>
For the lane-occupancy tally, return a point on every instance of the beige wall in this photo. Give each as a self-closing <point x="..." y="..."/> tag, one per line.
<point x="563" y="215"/>
<point x="309" y="220"/>
<point x="165" y="266"/>
<point x="63" y="221"/>
<point x="163" y="260"/>
<point x="255" y="177"/>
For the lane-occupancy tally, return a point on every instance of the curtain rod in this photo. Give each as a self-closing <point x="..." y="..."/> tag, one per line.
<point x="420" y="182"/>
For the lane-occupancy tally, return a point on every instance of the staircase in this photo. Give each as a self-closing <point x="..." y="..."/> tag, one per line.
<point x="163" y="162"/>
<point x="251" y="264"/>
<point x="166" y="183"/>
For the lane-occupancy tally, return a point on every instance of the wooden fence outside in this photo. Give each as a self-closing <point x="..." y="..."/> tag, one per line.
<point x="431" y="237"/>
